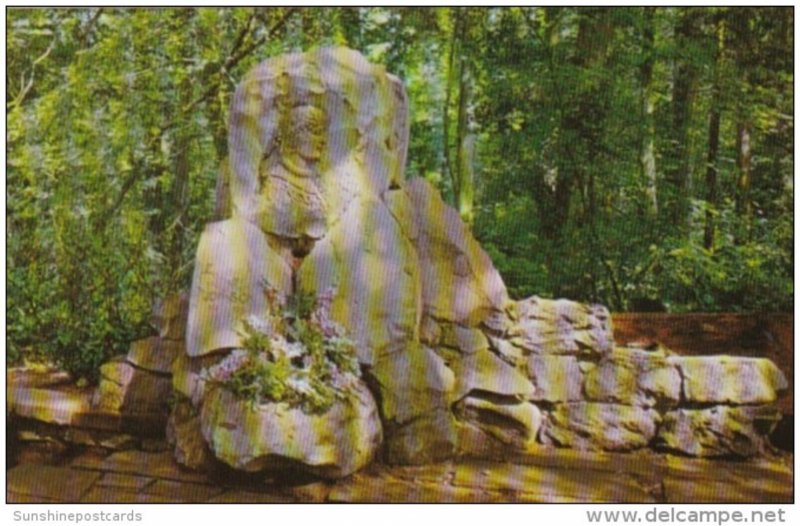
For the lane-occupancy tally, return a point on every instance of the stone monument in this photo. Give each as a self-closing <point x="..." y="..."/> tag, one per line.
<point x="315" y="203"/>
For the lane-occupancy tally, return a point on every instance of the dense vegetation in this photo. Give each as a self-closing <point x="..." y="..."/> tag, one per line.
<point x="639" y="157"/>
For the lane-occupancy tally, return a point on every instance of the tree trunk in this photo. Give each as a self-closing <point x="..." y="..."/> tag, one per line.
<point x="683" y="93"/>
<point x="714" y="116"/>
<point x="180" y="185"/>
<point x="711" y="173"/>
<point x="466" y="149"/>
<point x="447" y="168"/>
<point x="647" y="155"/>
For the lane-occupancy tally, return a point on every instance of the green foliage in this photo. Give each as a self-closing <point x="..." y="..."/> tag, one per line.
<point x="114" y="143"/>
<point x="297" y="356"/>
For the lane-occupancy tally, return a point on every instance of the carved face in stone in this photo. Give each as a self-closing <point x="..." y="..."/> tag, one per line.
<point x="309" y="132"/>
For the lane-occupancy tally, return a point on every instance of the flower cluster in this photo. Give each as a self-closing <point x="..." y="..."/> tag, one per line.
<point x="297" y="354"/>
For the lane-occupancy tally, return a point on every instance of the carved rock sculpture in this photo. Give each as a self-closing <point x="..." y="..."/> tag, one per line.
<point x="314" y="198"/>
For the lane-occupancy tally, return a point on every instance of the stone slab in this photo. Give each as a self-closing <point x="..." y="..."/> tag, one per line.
<point x="250" y="497"/>
<point x="590" y="425"/>
<point x="112" y="495"/>
<point x="680" y="490"/>
<point x="361" y="489"/>
<point x="155" y="465"/>
<point x="182" y="491"/>
<point x="557" y="378"/>
<point x="552" y="485"/>
<point x="124" y="481"/>
<point x="729" y="379"/>
<point x="55" y="483"/>
<point x="155" y="354"/>
<point x="62" y="406"/>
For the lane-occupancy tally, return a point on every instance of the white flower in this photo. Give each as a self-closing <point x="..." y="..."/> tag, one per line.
<point x="281" y="347"/>
<point x="259" y="324"/>
<point x="300" y="385"/>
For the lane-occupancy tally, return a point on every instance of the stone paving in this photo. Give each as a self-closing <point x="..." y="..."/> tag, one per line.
<point x="552" y="475"/>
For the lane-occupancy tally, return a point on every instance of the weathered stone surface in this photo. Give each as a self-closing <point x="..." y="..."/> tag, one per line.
<point x="155" y="354"/>
<point x="729" y="379"/>
<point x="459" y="282"/>
<point x="273" y="436"/>
<point x="309" y="132"/>
<point x="52" y="405"/>
<point x="719" y="430"/>
<point x="124" y="388"/>
<point x="178" y="491"/>
<point x="185" y="435"/>
<point x="412" y="382"/>
<point x="562" y="327"/>
<point x="104" y="439"/>
<point x="553" y="485"/>
<point x="484" y="371"/>
<point x="556" y="378"/>
<point x="187" y="378"/>
<point x="515" y="425"/>
<point x="428" y="438"/>
<point x="587" y="425"/>
<point x="468" y="340"/>
<point x="430" y="331"/>
<point x="372" y="267"/>
<point x="49" y="483"/>
<point x="251" y="497"/>
<point x="634" y="377"/>
<point x="508" y="351"/>
<point x="234" y="263"/>
<point x="170" y="315"/>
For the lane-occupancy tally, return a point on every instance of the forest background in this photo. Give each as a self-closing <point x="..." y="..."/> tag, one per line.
<point x="637" y="157"/>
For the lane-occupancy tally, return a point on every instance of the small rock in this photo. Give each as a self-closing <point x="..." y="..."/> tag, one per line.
<point x="55" y="405"/>
<point x="634" y="377"/>
<point x="562" y="327"/>
<point x="515" y="424"/>
<point x="155" y="354"/>
<point x="429" y="438"/>
<point x="729" y="379"/>
<point x="508" y="351"/>
<point x="170" y="315"/>
<point x="412" y="382"/>
<point x="468" y="340"/>
<point x="719" y="430"/>
<point x="589" y="425"/>
<point x="185" y="435"/>
<point x="124" y="388"/>
<point x="557" y="378"/>
<point x="484" y="371"/>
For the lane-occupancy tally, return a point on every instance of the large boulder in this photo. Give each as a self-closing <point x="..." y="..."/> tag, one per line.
<point x="310" y="132"/>
<point x="276" y="436"/>
<point x="459" y="282"/>
<point x="234" y="266"/>
<point x="372" y="267"/>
